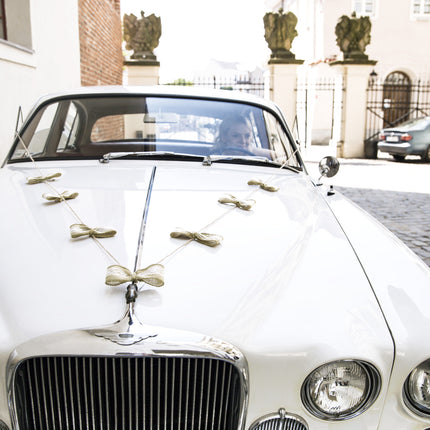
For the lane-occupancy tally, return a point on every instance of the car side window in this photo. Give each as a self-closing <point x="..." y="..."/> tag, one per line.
<point x="40" y="137"/>
<point x="70" y="128"/>
<point x="279" y="141"/>
<point x="53" y="130"/>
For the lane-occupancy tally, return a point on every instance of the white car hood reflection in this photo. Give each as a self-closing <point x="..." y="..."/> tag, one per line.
<point x="284" y="264"/>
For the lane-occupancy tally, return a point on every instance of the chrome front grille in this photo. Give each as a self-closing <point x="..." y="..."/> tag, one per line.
<point x="277" y="424"/>
<point x="127" y="392"/>
<point x="280" y="421"/>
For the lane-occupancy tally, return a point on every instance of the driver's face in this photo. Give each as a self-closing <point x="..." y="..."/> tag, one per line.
<point x="239" y="135"/>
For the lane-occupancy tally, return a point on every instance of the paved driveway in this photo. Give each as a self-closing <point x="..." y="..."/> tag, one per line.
<point x="397" y="194"/>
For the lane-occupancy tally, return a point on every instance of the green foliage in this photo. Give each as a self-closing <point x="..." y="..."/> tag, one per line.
<point x="181" y="82"/>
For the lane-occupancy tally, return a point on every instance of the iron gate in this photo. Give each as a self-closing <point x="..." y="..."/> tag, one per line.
<point x="319" y="110"/>
<point x="391" y="102"/>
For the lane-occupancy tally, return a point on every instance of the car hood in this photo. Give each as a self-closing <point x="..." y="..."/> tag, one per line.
<point x="285" y="264"/>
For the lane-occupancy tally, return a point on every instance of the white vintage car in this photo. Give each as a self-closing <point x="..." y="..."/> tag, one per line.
<point x="168" y="263"/>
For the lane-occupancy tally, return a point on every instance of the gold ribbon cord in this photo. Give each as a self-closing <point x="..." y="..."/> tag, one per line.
<point x="38" y="179"/>
<point x="207" y="239"/>
<point x="80" y="230"/>
<point x="263" y="185"/>
<point x="152" y="275"/>
<point x="56" y="198"/>
<point x="245" y="205"/>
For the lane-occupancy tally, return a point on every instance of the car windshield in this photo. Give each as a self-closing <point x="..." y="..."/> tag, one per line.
<point x="92" y="126"/>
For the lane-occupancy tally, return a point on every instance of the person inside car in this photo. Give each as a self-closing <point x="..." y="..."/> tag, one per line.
<point x="235" y="137"/>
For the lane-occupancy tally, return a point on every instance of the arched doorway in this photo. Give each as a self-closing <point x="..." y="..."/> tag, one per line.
<point x="396" y="98"/>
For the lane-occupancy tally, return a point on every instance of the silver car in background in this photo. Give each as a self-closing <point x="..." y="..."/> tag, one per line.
<point x="409" y="138"/>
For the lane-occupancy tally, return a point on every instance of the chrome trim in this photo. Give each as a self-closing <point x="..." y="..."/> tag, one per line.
<point x="3" y="425"/>
<point x="128" y="330"/>
<point x="409" y="403"/>
<point x="374" y="379"/>
<point x="392" y="146"/>
<point x="99" y="342"/>
<point x="144" y="218"/>
<point x="281" y="416"/>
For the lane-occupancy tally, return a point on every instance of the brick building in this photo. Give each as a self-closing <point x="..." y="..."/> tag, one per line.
<point x="100" y="38"/>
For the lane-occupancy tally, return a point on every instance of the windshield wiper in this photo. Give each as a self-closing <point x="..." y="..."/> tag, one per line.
<point x="209" y="159"/>
<point x="113" y="155"/>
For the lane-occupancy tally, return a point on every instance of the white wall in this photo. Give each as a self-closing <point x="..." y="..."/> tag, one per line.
<point x="50" y="62"/>
<point x="400" y="41"/>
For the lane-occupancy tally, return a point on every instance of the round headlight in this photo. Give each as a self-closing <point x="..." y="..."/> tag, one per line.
<point x="416" y="390"/>
<point x="3" y="426"/>
<point x="341" y="389"/>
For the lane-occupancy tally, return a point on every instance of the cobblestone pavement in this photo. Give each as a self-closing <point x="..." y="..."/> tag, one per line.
<point x="396" y="194"/>
<point x="407" y="215"/>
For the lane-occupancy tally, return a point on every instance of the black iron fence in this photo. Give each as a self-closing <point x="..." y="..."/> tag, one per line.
<point x="394" y="101"/>
<point x="318" y="106"/>
<point x="245" y="83"/>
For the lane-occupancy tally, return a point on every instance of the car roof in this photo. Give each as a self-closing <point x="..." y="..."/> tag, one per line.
<point x="163" y="90"/>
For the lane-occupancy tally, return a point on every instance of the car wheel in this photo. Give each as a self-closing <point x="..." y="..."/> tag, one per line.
<point x="426" y="156"/>
<point x="398" y="157"/>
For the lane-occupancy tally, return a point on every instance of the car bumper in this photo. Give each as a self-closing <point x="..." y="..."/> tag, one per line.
<point x="396" y="148"/>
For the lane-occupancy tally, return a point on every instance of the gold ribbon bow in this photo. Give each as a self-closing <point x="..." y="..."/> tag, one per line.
<point x="151" y="275"/>
<point x="56" y="198"/>
<point x="207" y="239"/>
<point x="245" y="205"/>
<point x="79" y="230"/>
<point x="262" y="185"/>
<point x="38" y="179"/>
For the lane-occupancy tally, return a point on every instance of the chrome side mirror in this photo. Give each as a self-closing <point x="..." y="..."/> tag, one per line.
<point x="328" y="166"/>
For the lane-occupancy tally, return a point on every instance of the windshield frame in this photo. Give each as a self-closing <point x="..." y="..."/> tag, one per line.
<point x="28" y="126"/>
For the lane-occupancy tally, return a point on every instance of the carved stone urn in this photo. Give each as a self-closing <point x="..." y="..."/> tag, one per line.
<point x="279" y="32"/>
<point x="352" y="37"/>
<point x="142" y="35"/>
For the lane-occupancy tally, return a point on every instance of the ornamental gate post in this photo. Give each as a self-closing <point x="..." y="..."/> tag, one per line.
<point x="142" y="73"/>
<point x="279" y="32"/>
<point x="142" y="35"/>
<point x="352" y="37"/>
<point x="283" y="82"/>
<point x="353" y="123"/>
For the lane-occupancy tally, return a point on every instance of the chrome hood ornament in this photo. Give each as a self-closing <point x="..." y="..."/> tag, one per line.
<point x="128" y="330"/>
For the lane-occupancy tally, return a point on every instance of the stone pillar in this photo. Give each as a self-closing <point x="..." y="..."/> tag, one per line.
<point x="147" y="74"/>
<point x="283" y="80"/>
<point x="352" y="37"/>
<point x="279" y="32"/>
<point x="143" y="72"/>
<point x="352" y="135"/>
